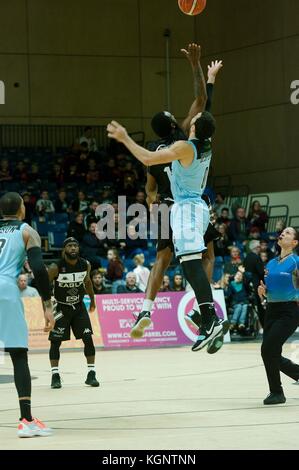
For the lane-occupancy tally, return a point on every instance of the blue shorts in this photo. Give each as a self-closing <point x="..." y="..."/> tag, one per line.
<point x="13" y="326"/>
<point x="189" y="222"/>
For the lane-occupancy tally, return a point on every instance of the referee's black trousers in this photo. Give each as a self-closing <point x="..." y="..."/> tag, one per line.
<point x="281" y="321"/>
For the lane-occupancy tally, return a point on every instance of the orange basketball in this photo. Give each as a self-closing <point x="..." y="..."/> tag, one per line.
<point x="192" y="7"/>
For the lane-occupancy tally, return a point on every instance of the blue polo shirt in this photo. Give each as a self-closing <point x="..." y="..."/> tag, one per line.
<point x="282" y="279"/>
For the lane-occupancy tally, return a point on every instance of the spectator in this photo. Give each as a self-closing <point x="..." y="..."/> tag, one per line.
<point x="255" y="271"/>
<point x="264" y="246"/>
<point x="141" y="271"/>
<point x="133" y="242"/>
<point x="93" y="174"/>
<point x="25" y="290"/>
<point x="231" y="267"/>
<point x="44" y="205"/>
<point x="257" y="217"/>
<point x="219" y="204"/>
<point x="61" y="203"/>
<point x="34" y="174"/>
<point x="165" y="287"/>
<point x="56" y="175"/>
<point x="82" y="164"/>
<point x="89" y="139"/>
<point x="20" y="173"/>
<point x="223" y="284"/>
<point x="131" y="285"/>
<point x="29" y="208"/>
<point x="76" y="228"/>
<point x="224" y="216"/>
<point x="71" y="174"/>
<point x="115" y="268"/>
<point x="140" y="198"/>
<point x="239" y="227"/>
<point x="5" y="173"/>
<point x="81" y="203"/>
<point x="93" y="248"/>
<point x="178" y="283"/>
<point x="98" y="283"/>
<point x="222" y="244"/>
<point x="264" y="258"/>
<point x="239" y="301"/>
<point x="91" y="215"/>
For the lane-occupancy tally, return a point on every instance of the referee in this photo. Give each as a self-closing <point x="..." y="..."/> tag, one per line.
<point x="282" y="313"/>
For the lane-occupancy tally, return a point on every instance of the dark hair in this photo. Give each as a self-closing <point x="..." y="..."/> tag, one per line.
<point x="205" y="126"/>
<point x="87" y="128"/>
<point x="10" y="204"/>
<point x="225" y="209"/>
<point x="296" y="236"/>
<point x="163" y="123"/>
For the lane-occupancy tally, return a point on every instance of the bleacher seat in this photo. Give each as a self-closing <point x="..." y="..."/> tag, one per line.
<point x="56" y="240"/>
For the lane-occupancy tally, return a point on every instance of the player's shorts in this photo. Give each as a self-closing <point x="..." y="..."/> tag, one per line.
<point x="189" y="222"/>
<point x="13" y="326"/>
<point x="211" y="234"/>
<point x="164" y="233"/>
<point x="70" y="317"/>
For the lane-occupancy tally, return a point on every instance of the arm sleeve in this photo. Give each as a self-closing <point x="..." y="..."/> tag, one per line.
<point x="210" y="88"/>
<point x="36" y="263"/>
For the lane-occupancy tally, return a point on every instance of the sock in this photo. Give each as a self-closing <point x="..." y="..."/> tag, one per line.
<point x="55" y="370"/>
<point x="147" y="305"/>
<point x="207" y="312"/>
<point x="25" y="408"/>
<point x="91" y="367"/>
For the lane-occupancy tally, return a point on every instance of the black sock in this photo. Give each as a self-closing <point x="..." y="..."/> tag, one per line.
<point x="197" y="278"/>
<point x="25" y="408"/>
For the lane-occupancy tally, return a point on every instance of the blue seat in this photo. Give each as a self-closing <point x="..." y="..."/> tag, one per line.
<point x="61" y="218"/>
<point x="41" y="227"/>
<point x="56" y="240"/>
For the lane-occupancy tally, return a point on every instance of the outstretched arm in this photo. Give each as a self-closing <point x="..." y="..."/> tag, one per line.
<point x="178" y="151"/>
<point x="213" y="70"/>
<point x="193" y="54"/>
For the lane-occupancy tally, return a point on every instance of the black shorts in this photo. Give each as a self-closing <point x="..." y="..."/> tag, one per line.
<point x="211" y="234"/>
<point x="164" y="242"/>
<point x="76" y="318"/>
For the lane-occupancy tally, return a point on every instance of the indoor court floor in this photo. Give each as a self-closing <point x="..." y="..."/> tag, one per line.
<point x="155" y="399"/>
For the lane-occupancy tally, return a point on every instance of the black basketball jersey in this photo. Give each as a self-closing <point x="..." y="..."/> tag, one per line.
<point x="160" y="172"/>
<point x="69" y="285"/>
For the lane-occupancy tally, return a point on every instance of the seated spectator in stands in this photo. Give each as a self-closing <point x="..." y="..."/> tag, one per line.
<point x="140" y="198"/>
<point x="223" y="284"/>
<point x="89" y="139"/>
<point x="131" y="285"/>
<point x="98" y="283"/>
<point x="221" y="246"/>
<point x="93" y="248"/>
<point x="80" y="204"/>
<point x="264" y="246"/>
<point x="141" y="271"/>
<point x="238" y="295"/>
<point x="133" y="242"/>
<point x="25" y="290"/>
<point x="257" y="217"/>
<point x="5" y="173"/>
<point x="44" y="205"/>
<point x="239" y="227"/>
<point x="224" y="218"/>
<point x="231" y="267"/>
<point x="76" y="228"/>
<point x="264" y="258"/>
<point x="219" y="204"/>
<point x="29" y="207"/>
<point x="56" y="175"/>
<point x="82" y="164"/>
<point x="34" y="174"/>
<point x="20" y="173"/>
<point x="91" y="217"/>
<point x="61" y="203"/>
<point x="93" y="174"/>
<point x="71" y="174"/>
<point x="128" y="186"/>
<point x="111" y="172"/>
<point x="165" y="287"/>
<point x="115" y="269"/>
<point x="178" y="283"/>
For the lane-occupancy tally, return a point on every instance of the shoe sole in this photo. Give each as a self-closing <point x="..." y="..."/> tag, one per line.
<point x="273" y="404"/>
<point x="215" y="333"/>
<point x="56" y="386"/>
<point x="217" y="342"/>
<point x="138" y="330"/>
<point x="40" y="434"/>
<point x="90" y="385"/>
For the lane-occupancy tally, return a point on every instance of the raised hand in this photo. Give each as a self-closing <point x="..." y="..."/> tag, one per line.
<point x="116" y="131"/>
<point x="192" y="53"/>
<point x="213" y="70"/>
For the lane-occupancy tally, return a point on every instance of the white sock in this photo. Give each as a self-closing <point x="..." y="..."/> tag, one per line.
<point x="90" y="367"/>
<point x="55" y="370"/>
<point x="147" y="305"/>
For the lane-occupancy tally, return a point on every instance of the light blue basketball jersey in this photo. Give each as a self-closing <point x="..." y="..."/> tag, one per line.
<point x="190" y="182"/>
<point x="12" y="248"/>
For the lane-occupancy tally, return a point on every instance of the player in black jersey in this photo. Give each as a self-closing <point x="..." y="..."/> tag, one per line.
<point x="167" y="128"/>
<point x="72" y="281"/>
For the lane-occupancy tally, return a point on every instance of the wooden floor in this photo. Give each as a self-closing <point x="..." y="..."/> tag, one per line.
<point x="155" y="399"/>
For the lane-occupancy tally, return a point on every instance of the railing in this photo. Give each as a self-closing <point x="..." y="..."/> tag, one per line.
<point x="277" y="213"/>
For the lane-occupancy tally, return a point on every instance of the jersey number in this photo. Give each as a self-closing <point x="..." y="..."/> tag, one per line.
<point x="2" y="244"/>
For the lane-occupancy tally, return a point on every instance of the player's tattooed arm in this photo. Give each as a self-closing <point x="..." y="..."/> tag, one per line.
<point x="193" y="54"/>
<point x="89" y="289"/>
<point x="151" y="189"/>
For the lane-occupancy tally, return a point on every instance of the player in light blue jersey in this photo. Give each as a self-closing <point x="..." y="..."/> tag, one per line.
<point x="282" y="313"/>
<point x="18" y="241"/>
<point x="190" y="215"/>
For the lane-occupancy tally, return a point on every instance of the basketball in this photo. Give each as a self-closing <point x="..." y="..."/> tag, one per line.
<point x="192" y="7"/>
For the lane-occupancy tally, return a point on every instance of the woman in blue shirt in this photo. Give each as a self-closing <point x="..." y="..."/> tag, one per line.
<point x="282" y="313"/>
